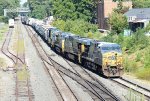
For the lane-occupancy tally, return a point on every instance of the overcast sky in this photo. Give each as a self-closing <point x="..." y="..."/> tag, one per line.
<point x="23" y="1"/>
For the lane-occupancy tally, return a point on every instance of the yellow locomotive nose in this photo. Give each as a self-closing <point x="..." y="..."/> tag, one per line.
<point x="112" y="64"/>
<point x="112" y="59"/>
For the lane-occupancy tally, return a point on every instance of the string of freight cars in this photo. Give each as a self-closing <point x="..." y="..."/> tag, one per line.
<point x="103" y="57"/>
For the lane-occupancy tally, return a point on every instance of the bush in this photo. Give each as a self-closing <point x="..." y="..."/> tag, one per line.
<point x="129" y="66"/>
<point x="147" y="59"/>
<point x="79" y="27"/>
<point x="139" y="39"/>
<point x="118" y="22"/>
<point x="138" y="57"/>
<point x="3" y="19"/>
<point x="108" y="38"/>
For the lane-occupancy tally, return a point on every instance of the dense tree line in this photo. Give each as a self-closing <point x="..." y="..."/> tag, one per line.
<point x="63" y="9"/>
<point x="81" y="9"/>
<point x="6" y="4"/>
<point x="73" y="9"/>
<point x="141" y="3"/>
<point x="39" y="8"/>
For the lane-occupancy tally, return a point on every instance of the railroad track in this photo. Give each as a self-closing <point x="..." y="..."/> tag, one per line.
<point x="23" y="89"/>
<point x="5" y="49"/>
<point x="133" y="86"/>
<point x="99" y="88"/>
<point x="54" y="64"/>
<point x="63" y="91"/>
<point x="97" y="92"/>
<point x="95" y="81"/>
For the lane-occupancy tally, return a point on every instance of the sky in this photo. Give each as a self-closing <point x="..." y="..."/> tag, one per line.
<point x="23" y="1"/>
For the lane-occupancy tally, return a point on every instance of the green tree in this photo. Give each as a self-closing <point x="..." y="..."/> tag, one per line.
<point x="118" y="22"/>
<point x="120" y="8"/>
<point x="63" y="9"/>
<point x="40" y="8"/>
<point x="26" y="4"/>
<point x="79" y="26"/>
<point x="141" y="3"/>
<point x="7" y="4"/>
<point x="74" y="9"/>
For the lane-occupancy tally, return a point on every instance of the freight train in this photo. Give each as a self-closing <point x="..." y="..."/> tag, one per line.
<point x="103" y="57"/>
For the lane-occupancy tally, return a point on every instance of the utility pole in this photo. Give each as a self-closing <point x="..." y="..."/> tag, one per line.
<point x="100" y="14"/>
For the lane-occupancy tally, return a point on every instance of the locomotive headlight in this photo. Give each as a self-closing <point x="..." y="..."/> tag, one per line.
<point x="116" y="54"/>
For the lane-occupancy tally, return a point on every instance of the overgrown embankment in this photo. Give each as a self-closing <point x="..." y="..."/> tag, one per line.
<point x="136" y="52"/>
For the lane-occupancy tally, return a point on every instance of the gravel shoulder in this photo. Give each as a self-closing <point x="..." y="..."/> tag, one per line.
<point x="7" y="79"/>
<point x="7" y="86"/>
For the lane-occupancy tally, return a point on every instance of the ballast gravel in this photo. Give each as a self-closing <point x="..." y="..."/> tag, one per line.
<point x="77" y="89"/>
<point x="40" y="81"/>
<point x="122" y="93"/>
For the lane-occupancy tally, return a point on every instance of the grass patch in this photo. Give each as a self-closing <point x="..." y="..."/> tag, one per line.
<point x="22" y="75"/>
<point x="129" y="65"/>
<point x="20" y="47"/>
<point x="138" y="57"/>
<point x="2" y="63"/>
<point x="143" y="73"/>
<point x="3" y="30"/>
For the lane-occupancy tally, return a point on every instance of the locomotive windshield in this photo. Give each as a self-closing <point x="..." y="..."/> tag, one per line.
<point x="110" y="48"/>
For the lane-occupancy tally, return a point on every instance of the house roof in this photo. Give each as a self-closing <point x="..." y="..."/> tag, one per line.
<point x="139" y="13"/>
<point x="139" y="20"/>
